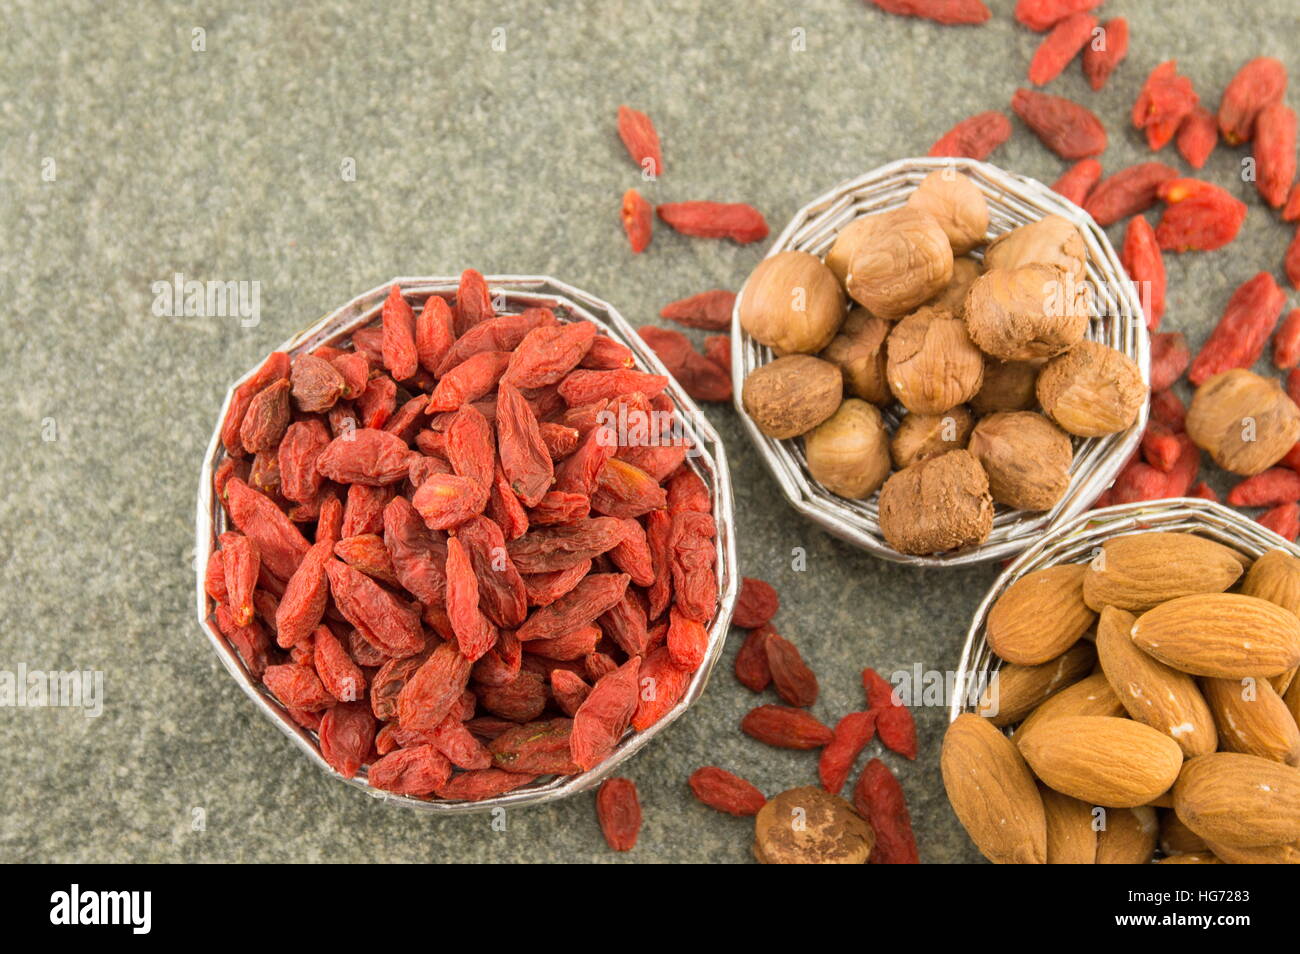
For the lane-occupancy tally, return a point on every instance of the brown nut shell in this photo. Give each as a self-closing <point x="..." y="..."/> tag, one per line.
<point x="922" y="436"/>
<point x="964" y="272"/>
<point x="900" y="263"/>
<point x="1245" y="422"/>
<point x="932" y="365"/>
<point x="1052" y="240"/>
<point x="859" y="350"/>
<point x="792" y="395"/>
<point x="848" y="454"/>
<point x="810" y="826"/>
<point x="792" y="303"/>
<point x="1008" y="386"/>
<point x="1092" y="390"/>
<point x="937" y="505"/>
<point x="1027" y="458"/>
<point x="956" y="204"/>
<point x="1023" y="314"/>
<point x="846" y="243"/>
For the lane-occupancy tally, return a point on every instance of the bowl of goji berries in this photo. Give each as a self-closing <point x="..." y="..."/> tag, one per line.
<point x="465" y="542"/>
<point x="939" y="360"/>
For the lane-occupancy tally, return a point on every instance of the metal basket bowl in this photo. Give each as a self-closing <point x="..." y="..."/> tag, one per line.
<point x="1013" y="200"/>
<point x="1077" y="541"/>
<point x="512" y="293"/>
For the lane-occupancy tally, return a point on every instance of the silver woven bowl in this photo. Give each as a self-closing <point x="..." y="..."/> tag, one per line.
<point x="512" y="293"/>
<point x="1077" y="540"/>
<point x="1013" y="200"/>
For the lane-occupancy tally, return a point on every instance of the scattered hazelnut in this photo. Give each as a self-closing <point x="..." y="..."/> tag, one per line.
<point x="792" y="303"/>
<point x="932" y="365"/>
<point x="792" y="395"/>
<point x="956" y="204"/>
<point x="922" y="436"/>
<point x="1052" y="240"/>
<point x="937" y="505"/>
<point x="964" y="272"/>
<point x="1025" y="313"/>
<point x="810" y="826"/>
<point x="1245" y="422"/>
<point x="1026" y="456"/>
<point x="900" y="263"/>
<point x="859" y="350"/>
<point x="848" y="454"/>
<point x="1008" y="386"/>
<point x="1092" y="390"/>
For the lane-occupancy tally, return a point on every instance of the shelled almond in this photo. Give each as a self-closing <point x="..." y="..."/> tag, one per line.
<point x="1182" y="740"/>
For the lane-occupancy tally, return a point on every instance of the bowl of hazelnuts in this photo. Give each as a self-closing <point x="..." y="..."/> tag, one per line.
<point x="940" y="360"/>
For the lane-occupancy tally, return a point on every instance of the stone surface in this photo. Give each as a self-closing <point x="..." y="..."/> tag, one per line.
<point x="227" y="164"/>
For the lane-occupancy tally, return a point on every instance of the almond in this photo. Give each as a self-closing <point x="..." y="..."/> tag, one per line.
<point x="1040" y="615"/>
<point x="1071" y="839"/>
<point x="1014" y="690"/>
<point x="1176" y="838"/>
<point x="1151" y="692"/>
<point x="1102" y="760"/>
<point x="1140" y="570"/>
<point x="1292" y="700"/>
<point x="1239" y="801"/>
<point x="1285" y="854"/>
<point x="1225" y="635"/>
<point x="1252" y="718"/>
<point x="1275" y="577"/>
<point x="993" y="792"/>
<point x="1128" y="836"/>
<point x="1091" y="696"/>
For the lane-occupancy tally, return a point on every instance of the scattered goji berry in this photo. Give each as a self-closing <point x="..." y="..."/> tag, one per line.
<point x="756" y="603"/>
<point x="710" y="310"/>
<point x="975" y="137"/>
<point x="1277" y="485"/>
<point x="1128" y="192"/>
<point x="641" y="140"/>
<point x="880" y="693"/>
<point x="1042" y="15"/>
<point x="1204" y="491"/>
<point x="698" y="376"/>
<point x="638" y="220"/>
<point x="1239" y="338"/>
<point x="1284" y="520"/>
<point x="1258" y="84"/>
<point x="726" y="791"/>
<point x="1275" y="153"/>
<point x="946" y="12"/>
<point x="1286" y="343"/>
<point x="878" y="797"/>
<point x="1105" y="51"/>
<point x="1068" y="129"/>
<point x="795" y="682"/>
<point x="1141" y="258"/>
<point x="618" y="809"/>
<point x="1197" y="136"/>
<point x="1165" y="101"/>
<point x="1078" y="180"/>
<point x="786" y="727"/>
<point x="752" y="670"/>
<point x="1169" y="359"/>
<point x="737" y="221"/>
<point x="1067" y="38"/>
<point x="851" y="735"/>
<point x="1200" y="218"/>
<point x="897" y="730"/>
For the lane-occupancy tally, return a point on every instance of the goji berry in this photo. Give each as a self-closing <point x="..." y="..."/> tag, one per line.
<point x="1277" y="485"/>
<point x="1204" y="491"/>
<point x="251" y="641"/>
<point x="583" y="605"/>
<point x="560" y="548"/>
<point x="1168" y="408"/>
<point x="521" y="700"/>
<point x="1067" y="38"/>
<point x="346" y="735"/>
<point x="275" y="367"/>
<point x="315" y="384"/>
<point x="1042" y="15"/>
<point x="632" y="554"/>
<point x="1275" y="153"/>
<point x="1258" y="84"/>
<point x="624" y="490"/>
<point x="569" y="690"/>
<point x="547" y="354"/>
<point x="692" y="562"/>
<point x="947" y="12"/>
<point x="662" y="683"/>
<point x="364" y="510"/>
<point x="737" y="221"/>
<point x="1161" y="447"/>
<point x="535" y="748"/>
<point x="297" y="687"/>
<point x="302" y="444"/>
<point x="717" y="348"/>
<point x="584" y="387"/>
<point x="1203" y="218"/>
<point x="240" y="564"/>
<point x="659" y="526"/>
<point x="280" y="545"/>
<point x="625" y="623"/>
<point x="726" y="791"/>
<point x="1068" y="129"/>
<point x="851" y="735"/>
<point x="795" y="683"/>
<point x="975" y="137"/>
<point x="710" y="310"/>
<point x="1105" y="51"/>
<point x="752" y="670"/>
<point x="878" y="797"/>
<point x="641" y="140"/>
<point x="1141" y="258"/>
<point x="1239" y="338"/>
<point x="786" y="727"/>
<point x="605" y="715"/>
<point x="1197" y="137"/>
<point x="1284" y="520"/>
<point x="599" y="665"/>
<point x="637" y="216"/>
<point x="266" y="418"/>
<point x="303" y="604"/>
<point x="418" y="770"/>
<point x="1165" y="101"/>
<point x="1128" y="192"/>
<point x="1169" y="359"/>
<point x="688" y="640"/>
<point x="473" y="301"/>
<point x="618" y="809"/>
<point x="369" y="456"/>
<point x="386" y="620"/>
<point x="468" y="381"/>
<point x="337" y="671"/>
<point x="474" y="633"/>
<point x="698" y="376"/>
<point x="398" y="323"/>
<point x="368" y="554"/>
<point x="606" y="354"/>
<point x="377" y="402"/>
<point x="880" y="693"/>
<point x="1078" y="180"/>
<point x="1286" y="343"/>
<point x="897" y="730"/>
<point x="756" y="603"/>
<point x="483" y="783"/>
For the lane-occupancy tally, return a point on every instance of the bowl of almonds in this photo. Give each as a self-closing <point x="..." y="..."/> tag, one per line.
<point x="465" y="543"/>
<point x="939" y="360"/>
<point x="1127" y="693"/>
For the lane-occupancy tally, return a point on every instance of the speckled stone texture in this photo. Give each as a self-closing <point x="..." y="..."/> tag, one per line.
<point x="228" y="164"/>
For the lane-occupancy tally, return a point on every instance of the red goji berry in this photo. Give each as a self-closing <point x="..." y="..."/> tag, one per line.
<point x="752" y="670"/>
<point x="632" y="554"/>
<point x="1286" y="343"/>
<point x="946" y="12"/>
<point x="474" y="633"/>
<point x="897" y="730"/>
<point x="1200" y="217"/>
<point x="240" y="564"/>
<point x="1259" y="83"/>
<point x="266" y="418"/>
<point x="795" y="683"/>
<point x="297" y="687"/>
<point x="535" y="748"/>
<point x="662" y="684"/>
<point x="692" y="562"/>
<point x="698" y="376"/>
<point x="398" y="323"/>
<point x="606" y="354"/>
<point x="605" y="715"/>
<point x="1161" y="447"/>
<point x="273" y="369"/>
<point x="1239" y="338"/>
<point x="301" y="446"/>
<point x="368" y="554"/>
<point x="561" y="548"/>
<point x="786" y="727"/>
<point x="280" y="545"/>
<point x="879" y="799"/>
<point x="1284" y="520"/>
<point x="1169" y="359"/>
<point x="521" y="700"/>
<point x="717" y="348"/>
<point x="624" y="490"/>
<point x="1141" y="258"/>
<point x="418" y="770"/>
<point x="737" y="221"/>
<point x="335" y="667"/>
<point x="1165" y="101"/>
<point x="851" y="735"/>
<point x="483" y="783"/>
<point x="1042" y="15"/>
<point x="368" y="456"/>
<point x="1105" y="51"/>
<point x="569" y="690"/>
<point x="1197" y="136"/>
<point x="756" y="604"/>
<point x="582" y="605"/>
<point x="346" y="735"/>
<point x="473" y="301"/>
<point x="1067" y="38"/>
<point x="1078" y="180"/>
<point x="880" y="693"/>
<point x="1128" y="192"/>
<point x="468" y="381"/>
<point x="975" y="137"/>
<point x="1068" y="129"/>
<point x="303" y="604"/>
<point x="547" y="354"/>
<point x="1204" y="491"/>
<point x="1277" y="485"/>
<point x="641" y="140"/>
<point x="1275" y="153"/>
<point x="638" y="220"/>
<point x="377" y="402"/>
<point x="315" y="384"/>
<point x="726" y="791"/>
<point x="618" y="809"/>
<point x="251" y="641"/>
<point x="384" y="618"/>
<point x="710" y="310"/>
<point x="688" y="640"/>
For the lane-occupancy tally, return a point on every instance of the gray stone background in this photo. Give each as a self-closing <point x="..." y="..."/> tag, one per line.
<point x="226" y="164"/>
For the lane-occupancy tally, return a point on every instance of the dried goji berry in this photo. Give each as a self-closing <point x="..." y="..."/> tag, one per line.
<point x="473" y="301"/>
<point x="297" y="687"/>
<point x="1068" y="129"/>
<point x="418" y="770"/>
<point x="560" y="548"/>
<point x="276" y="367"/>
<point x="387" y="621"/>
<point x="468" y="381"/>
<point x="661" y="685"/>
<point x="1141" y="258"/>
<point x="641" y="140"/>
<point x="1128" y="192"/>
<point x="794" y="681"/>
<point x="1105" y="51"/>
<point x="1169" y="359"/>
<point x="606" y="354"/>
<point x="368" y="554"/>
<point x="852" y="733"/>
<point x="535" y="748"/>
<point x="880" y="693"/>
<point x="1207" y="219"/>
<point x="618" y="809"/>
<point x="337" y="671"/>
<point x="879" y="799"/>
<point x="624" y="490"/>
<point x="1078" y="180"/>
<point x="1204" y="491"/>
<point x="582" y="605"/>
<point x="240" y="564"/>
<point x="947" y="12"/>
<point x="1259" y="83"/>
<point x="605" y="714"/>
<point x="303" y="442"/>
<point x="734" y="220"/>
<point x="692" y="562"/>
<point x="1042" y="15"/>
<point x="346" y="734"/>
<point x="1239" y="338"/>
<point x="1284" y="520"/>
<point x="584" y="387"/>
<point x="1275" y="155"/>
<point x="688" y="640"/>
<point x="524" y="457"/>
<point x="1161" y="447"/>
<point x="368" y="456"/>
<point x="637" y="216"/>
<point x="431" y="692"/>
<point x="316" y="385"/>
<point x="266" y="418"/>
<point x="483" y="783"/>
<point x="1197" y="137"/>
<point x="1277" y="485"/>
<point x="251" y="641"/>
<point x="710" y="310"/>
<point x="547" y="354"/>
<point x="686" y="491"/>
<point x="897" y="730"/>
<point x="280" y="545"/>
<point x="756" y="603"/>
<point x="786" y="727"/>
<point x="975" y="137"/>
<point x="474" y="633"/>
<point x="1286" y="343"/>
<point x="398" y="323"/>
<point x="698" y="376"/>
<point x="717" y="348"/>
<point x="752" y="670"/>
<point x="726" y="791"/>
<point x="1165" y="101"/>
<point x="569" y="690"/>
<point x="1068" y="36"/>
<point x="303" y="604"/>
<point x="520" y="700"/>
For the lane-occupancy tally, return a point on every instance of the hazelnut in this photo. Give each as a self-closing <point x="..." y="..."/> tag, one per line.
<point x="848" y="454"/>
<point x="964" y="272"/>
<point x="792" y="303"/>
<point x="846" y="243"/>
<point x="1008" y="386"/>
<point x="792" y="395"/>
<point x="1025" y="313"/>
<point x="859" y="350"/>
<point x="922" y="436"/>
<point x="932" y="365"/>
<point x="956" y="204"/>
<point x="900" y="263"/>
<point x="810" y="826"/>
<point x="1026" y="456"/>
<point x="936" y="505"/>
<point x="1245" y="422"/>
<point x="1091" y="390"/>
<point x="1052" y="240"/>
